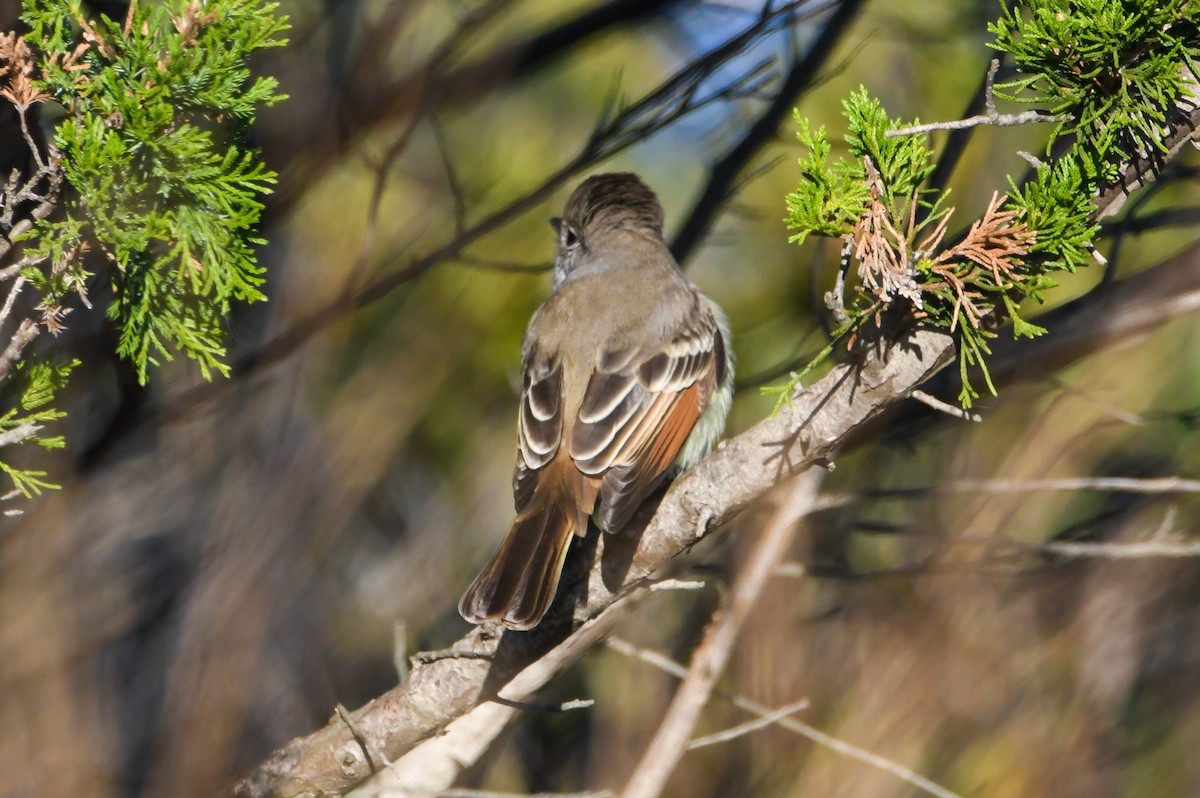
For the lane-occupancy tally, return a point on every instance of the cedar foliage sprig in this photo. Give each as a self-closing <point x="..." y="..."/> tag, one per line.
<point x="147" y="166"/>
<point x="1111" y="70"/>
<point x="149" y="147"/>
<point x="35" y="383"/>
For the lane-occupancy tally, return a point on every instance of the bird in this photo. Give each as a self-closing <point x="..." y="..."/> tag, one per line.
<point x="627" y="378"/>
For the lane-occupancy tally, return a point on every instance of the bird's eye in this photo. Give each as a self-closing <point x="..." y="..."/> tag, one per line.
<point x="567" y="237"/>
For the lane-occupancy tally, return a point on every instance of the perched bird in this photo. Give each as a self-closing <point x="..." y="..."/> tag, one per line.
<point x="627" y="377"/>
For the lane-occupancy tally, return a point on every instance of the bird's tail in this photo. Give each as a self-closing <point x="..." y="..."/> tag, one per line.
<point x="517" y="586"/>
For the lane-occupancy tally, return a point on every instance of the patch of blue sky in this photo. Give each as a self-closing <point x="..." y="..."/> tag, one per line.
<point x="691" y="30"/>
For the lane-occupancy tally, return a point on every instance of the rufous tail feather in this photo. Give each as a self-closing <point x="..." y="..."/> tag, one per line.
<point x="517" y="586"/>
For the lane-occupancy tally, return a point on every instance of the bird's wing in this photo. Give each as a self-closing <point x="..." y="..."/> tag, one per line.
<point x="639" y="407"/>
<point x="539" y="422"/>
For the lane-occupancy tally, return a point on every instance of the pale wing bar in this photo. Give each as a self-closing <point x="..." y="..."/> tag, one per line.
<point x="539" y="424"/>
<point x="638" y="409"/>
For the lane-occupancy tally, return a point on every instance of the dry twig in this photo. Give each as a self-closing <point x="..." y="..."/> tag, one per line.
<point x="992" y="117"/>
<point x="709" y="660"/>
<point x="667" y="665"/>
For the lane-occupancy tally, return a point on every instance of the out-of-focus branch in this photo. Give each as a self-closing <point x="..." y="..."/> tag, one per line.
<point x="709" y="660"/>
<point x="443" y="688"/>
<point x="1181" y="130"/>
<point x="781" y="719"/>
<point x="673" y="100"/>
<point x="1115" y="313"/>
<point x="368" y="103"/>
<point x="1150" y="549"/>
<point x="449" y="685"/>
<point x="1154" y="486"/>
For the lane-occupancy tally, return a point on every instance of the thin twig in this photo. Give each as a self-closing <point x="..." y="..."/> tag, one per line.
<point x="1120" y="551"/>
<point x="990" y="117"/>
<point x="25" y="225"/>
<point x="944" y="407"/>
<point x="26" y="332"/>
<point x="989" y="88"/>
<point x="742" y="729"/>
<point x="867" y="757"/>
<point x="21" y="432"/>
<point x="667" y="665"/>
<point x="13" y="293"/>
<point x="459" y="793"/>
<point x="562" y="706"/>
<point x="453" y="184"/>
<point x="34" y="149"/>
<point x="361" y="738"/>
<point x="1152" y="486"/>
<point x="435" y="763"/>
<point x="708" y="662"/>
<point x="493" y="265"/>
<point x="1109" y="409"/>
<point x="677" y="584"/>
<point x="999" y="120"/>
<point x="793" y="570"/>
<point x="1156" y="485"/>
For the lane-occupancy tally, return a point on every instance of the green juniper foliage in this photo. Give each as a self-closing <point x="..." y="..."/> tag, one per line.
<point x="35" y="384"/>
<point x="1111" y="70"/>
<point x="157" y="179"/>
<point x="146" y="147"/>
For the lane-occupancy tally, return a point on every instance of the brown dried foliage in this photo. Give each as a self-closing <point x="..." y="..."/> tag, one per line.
<point x="993" y="250"/>
<point x="996" y="245"/>
<point x="881" y="249"/>
<point x="18" y="68"/>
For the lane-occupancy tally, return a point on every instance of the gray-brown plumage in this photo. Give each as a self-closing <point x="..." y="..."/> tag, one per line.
<point x="626" y="374"/>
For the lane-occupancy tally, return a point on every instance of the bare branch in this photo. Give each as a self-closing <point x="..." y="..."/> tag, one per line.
<point x="1121" y="551"/>
<point x="493" y="265"/>
<point x="867" y="757"/>
<point x="742" y="729"/>
<point x="997" y="120"/>
<point x="990" y="117"/>
<point x="1162" y="485"/>
<point x="704" y="498"/>
<point x="443" y="694"/>
<point x="944" y="407"/>
<point x="668" y="745"/>
<point x="19" y="433"/>
<point x="486" y="794"/>
<point x="989" y="87"/>
<point x="24" y="335"/>
<point x="13" y="292"/>
<point x="435" y="763"/>
<point x="1108" y="408"/>
<point x="791" y="724"/>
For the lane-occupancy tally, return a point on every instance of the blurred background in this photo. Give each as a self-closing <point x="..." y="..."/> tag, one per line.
<point x="227" y="562"/>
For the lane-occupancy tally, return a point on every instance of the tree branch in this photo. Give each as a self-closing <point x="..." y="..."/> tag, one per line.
<point x="708" y="662"/>
<point x="448" y="691"/>
<point x="484" y="662"/>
